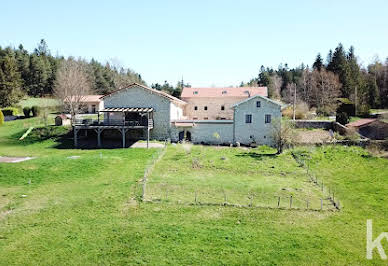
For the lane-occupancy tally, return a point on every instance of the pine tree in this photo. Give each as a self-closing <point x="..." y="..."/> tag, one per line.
<point x="38" y="76"/>
<point x="318" y="64"/>
<point x="10" y="81"/>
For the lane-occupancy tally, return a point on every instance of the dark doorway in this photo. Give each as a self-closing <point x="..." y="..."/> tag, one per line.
<point x="181" y="135"/>
<point x="188" y="136"/>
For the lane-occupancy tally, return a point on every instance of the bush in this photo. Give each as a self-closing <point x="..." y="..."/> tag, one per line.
<point x="10" y="111"/>
<point x="35" y="111"/>
<point x="1" y="118"/>
<point x="342" y="118"/>
<point x="301" y="111"/>
<point x="27" y="111"/>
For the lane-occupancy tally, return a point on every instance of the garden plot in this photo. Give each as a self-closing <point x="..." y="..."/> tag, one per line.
<point x="219" y="175"/>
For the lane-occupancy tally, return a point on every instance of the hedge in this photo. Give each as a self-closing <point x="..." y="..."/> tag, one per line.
<point x="10" y="111"/>
<point x="1" y="118"/>
<point x="27" y="111"/>
<point x="35" y="110"/>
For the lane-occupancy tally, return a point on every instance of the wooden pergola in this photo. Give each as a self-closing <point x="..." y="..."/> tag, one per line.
<point x="123" y="125"/>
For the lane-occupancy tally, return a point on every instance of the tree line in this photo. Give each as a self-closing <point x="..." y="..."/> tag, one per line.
<point x="339" y="76"/>
<point x="34" y="73"/>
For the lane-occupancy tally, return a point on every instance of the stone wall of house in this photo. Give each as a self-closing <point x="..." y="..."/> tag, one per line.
<point x="258" y="131"/>
<point x="140" y="97"/>
<point x="207" y="132"/>
<point x="213" y="105"/>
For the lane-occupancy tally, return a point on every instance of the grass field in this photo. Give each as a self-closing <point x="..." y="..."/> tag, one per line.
<point x="41" y="102"/>
<point x="86" y="210"/>
<point x="209" y="175"/>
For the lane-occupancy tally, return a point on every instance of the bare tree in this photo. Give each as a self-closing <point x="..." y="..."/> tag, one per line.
<point x="275" y="86"/>
<point x="282" y="134"/>
<point x="319" y="89"/>
<point x="72" y="85"/>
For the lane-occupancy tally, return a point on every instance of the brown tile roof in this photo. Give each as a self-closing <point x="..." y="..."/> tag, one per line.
<point x="224" y="92"/>
<point x="361" y="122"/>
<point x="90" y="98"/>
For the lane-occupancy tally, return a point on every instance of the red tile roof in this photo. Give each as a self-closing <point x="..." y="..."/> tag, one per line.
<point x="361" y="122"/>
<point x="224" y="92"/>
<point x="89" y="98"/>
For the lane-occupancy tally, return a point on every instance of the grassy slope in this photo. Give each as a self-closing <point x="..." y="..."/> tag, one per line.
<point x="216" y="173"/>
<point x="80" y="212"/>
<point x="42" y="102"/>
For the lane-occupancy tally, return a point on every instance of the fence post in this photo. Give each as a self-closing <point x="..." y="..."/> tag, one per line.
<point x="290" y="201"/>
<point x="322" y="186"/>
<point x="278" y="202"/>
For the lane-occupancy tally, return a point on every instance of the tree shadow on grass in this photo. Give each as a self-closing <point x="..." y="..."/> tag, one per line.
<point x="257" y="156"/>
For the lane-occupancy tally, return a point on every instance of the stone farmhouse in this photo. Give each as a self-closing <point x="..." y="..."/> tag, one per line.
<point x="138" y="112"/>
<point x="216" y="103"/>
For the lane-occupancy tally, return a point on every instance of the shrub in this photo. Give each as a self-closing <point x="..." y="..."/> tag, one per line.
<point x="35" y="111"/>
<point x="10" y="111"/>
<point x="27" y="111"/>
<point x="342" y="118"/>
<point x="301" y="111"/>
<point x="1" y="118"/>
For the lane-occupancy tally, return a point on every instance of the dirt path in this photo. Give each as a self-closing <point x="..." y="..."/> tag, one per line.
<point x="14" y="159"/>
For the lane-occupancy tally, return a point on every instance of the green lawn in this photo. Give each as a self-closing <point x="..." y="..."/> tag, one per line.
<point x="41" y="102"/>
<point x="87" y="211"/>
<point x="212" y="175"/>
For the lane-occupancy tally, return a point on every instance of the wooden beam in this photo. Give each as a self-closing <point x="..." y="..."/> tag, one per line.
<point x="148" y="137"/>
<point x="123" y="131"/>
<point x="99" y="138"/>
<point x="75" y="137"/>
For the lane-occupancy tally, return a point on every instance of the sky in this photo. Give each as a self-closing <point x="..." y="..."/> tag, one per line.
<point x="208" y="43"/>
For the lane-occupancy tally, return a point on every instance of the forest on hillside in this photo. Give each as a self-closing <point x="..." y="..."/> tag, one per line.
<point x="34" y="73"/>
<point x="339" y="76"/>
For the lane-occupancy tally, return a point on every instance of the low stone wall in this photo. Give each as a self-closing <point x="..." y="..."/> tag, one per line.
<point x="207" y="132"/>
<point x="324" y="124"/>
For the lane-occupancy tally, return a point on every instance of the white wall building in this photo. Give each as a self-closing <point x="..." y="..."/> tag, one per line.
<point x="250" y="123"/>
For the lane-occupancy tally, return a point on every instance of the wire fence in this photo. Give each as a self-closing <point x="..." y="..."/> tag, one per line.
<point x="187" y="195"/>
<point x="322" y="199"/>
<point x="303" y="160"/>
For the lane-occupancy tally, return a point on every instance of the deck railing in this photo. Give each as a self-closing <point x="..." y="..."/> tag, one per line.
<point x="112" y="122"/>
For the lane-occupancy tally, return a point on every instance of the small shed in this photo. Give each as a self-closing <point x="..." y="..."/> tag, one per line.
<point x="62" y="120"/>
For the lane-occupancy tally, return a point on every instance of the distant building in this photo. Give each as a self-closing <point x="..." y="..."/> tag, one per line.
<point x="91" y="104"/>
<point x="216" y="103"/>
<point x="370" y="128"/>
<point x="139" y="112"/>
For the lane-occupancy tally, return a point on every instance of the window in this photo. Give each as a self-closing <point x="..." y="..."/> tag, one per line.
<point x="195" y="118"/>
<point x="222" y="107"/>
<point x="222" y="118"/>
<point x="267" y="119"/>
<point x="195" y="108"/>
<point x="205" y="118"/>
<point x="205" y="108"/>
<point x="195" y="92"/>
<point x="224" y="92"/>
<point x="258" y="104"/>
<point x="93" y="109"/>
<point x="248" y="119"/>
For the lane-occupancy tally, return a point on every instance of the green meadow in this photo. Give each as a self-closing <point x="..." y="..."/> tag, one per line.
<point x="83" y="207"/>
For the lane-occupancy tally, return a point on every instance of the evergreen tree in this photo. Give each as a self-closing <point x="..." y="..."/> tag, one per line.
<point x="318" y="64"/>
<point x="38" y="76"/>
<point x="10" y="81"/>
